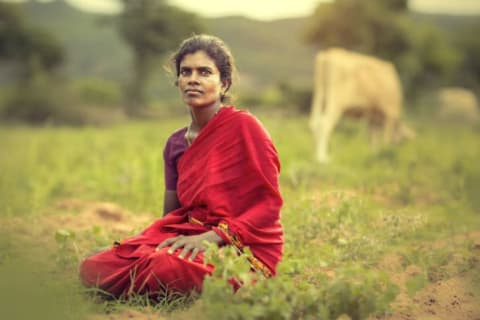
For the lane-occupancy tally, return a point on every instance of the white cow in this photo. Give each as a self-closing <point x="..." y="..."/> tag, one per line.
<point x="348" y="83"/>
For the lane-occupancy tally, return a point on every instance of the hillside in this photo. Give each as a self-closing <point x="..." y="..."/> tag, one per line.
<point x="95" y="49"/>
<point x="266" y="52"/>
<point x="92" y="44"/>
<point x="449" y="23"/>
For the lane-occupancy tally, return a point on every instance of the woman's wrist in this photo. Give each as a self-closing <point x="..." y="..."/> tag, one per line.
<point x="212" y="236"/>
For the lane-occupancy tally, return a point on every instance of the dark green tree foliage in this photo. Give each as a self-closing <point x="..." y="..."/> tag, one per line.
<point x="151" y="28"/>
<point x="35" y="55"/>
<point x="30" y="47"/>
<point x="468" y="41"/>
<point x="41" y="45"/>
<point x="10" y="21"/>
<point x="383" y="28"/>
<point x="398" y="5"/>
<point x="369" y="26"/>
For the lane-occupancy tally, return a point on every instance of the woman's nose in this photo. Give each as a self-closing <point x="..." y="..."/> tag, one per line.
<point x="193" y="77"/>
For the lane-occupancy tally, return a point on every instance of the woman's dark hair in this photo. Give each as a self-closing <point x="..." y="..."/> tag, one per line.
<point x="216" y="49"/>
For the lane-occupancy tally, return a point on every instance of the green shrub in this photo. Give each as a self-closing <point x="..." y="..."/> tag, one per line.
<point x="96" y="91"/>
<point x="47" y="100"/>
<point x="299" y="97"/>
<point x="356" y="292"/>
<point x="270" y="97"/>
<point x="41" y="99"/>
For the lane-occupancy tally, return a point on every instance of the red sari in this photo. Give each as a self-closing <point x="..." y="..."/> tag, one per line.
<point x="228" y="183"/>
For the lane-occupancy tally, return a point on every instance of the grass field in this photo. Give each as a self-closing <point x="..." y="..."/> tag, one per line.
<point x="390" y="234"/>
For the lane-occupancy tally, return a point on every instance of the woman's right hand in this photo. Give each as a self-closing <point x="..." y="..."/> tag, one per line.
<point x="190" y="244"/>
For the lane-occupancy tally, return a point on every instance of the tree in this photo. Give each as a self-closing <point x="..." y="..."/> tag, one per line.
<point x="396" y="5"/>
<point x="371" y="26"/>
<point x="36" y="54"/>
<point x="469" y="43"/>
<point x="151" y="28"/>
<point x="383" y="28"/>
<point x="31" y="48"/>
<point x="10" y="22"/>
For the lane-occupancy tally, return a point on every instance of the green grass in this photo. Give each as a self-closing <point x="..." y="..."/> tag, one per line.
<point x="340" y="218"/>
<point x="122" y="164"/>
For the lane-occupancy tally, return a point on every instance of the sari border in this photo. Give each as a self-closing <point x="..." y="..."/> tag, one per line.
<point x="232" y="239"/>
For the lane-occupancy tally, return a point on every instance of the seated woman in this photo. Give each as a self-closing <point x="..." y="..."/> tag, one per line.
<point x="221" y="186"/>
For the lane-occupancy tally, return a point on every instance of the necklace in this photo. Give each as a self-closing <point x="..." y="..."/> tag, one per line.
<point x="189" y="135"/>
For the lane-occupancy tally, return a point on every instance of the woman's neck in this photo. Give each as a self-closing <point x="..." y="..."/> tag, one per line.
<point x="201" y="116"/>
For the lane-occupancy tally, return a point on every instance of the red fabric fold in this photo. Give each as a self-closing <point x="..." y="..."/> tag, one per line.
<point x="232" y="170"/>
<point x="229" y="174"/>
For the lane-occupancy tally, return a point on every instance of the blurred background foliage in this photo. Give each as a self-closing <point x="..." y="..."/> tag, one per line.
<point x="150" y="29"/>
<point x="61" y="65"/>
<point x="387" y="30"/>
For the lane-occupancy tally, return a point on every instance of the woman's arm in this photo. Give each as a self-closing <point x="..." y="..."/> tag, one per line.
<point x="170" y="201"/>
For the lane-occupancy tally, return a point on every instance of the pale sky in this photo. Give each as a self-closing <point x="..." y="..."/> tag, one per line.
<point x="275" y="9"/>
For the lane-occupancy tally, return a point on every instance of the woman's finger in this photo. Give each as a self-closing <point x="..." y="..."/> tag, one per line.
<point x="185" y="251"/>
<point x="177" y="244"/>
<point x="194" y="253"/>
<point x="166" y="243"/>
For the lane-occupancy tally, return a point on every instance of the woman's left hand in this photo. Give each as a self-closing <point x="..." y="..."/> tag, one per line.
<point x="193" y="244"/>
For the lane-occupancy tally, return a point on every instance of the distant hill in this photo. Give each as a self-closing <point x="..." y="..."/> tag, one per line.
<point x="266" y="52"/>
<point x="448" y="23"/>
<point x="92" y="44"/>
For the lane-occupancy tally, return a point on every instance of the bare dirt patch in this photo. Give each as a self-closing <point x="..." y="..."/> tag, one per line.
<point x="106" y="215"/>
<point x="455" y="295"/>
<point x="86" y="220"/>
<point x="128" y="314"/>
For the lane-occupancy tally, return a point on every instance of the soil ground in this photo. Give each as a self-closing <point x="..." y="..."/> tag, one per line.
<point x="448" y="294"/>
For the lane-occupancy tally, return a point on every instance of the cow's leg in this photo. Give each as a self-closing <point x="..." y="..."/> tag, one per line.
<point x="320" y="140"/>
<point x="323" y="131"/>
<point x="388" y="130"/>
<point x="317" y="124"/>
<point x="374" y="133"/>
<point x="380" y="129"/>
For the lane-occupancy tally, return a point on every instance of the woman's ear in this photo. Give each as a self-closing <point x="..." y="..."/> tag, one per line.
<point x="225" y="86"/>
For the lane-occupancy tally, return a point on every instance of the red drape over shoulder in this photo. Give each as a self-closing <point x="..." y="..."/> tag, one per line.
<point x="229" y="176"/>
<point x="232" y="171"/>
<point x="228" y="182"/>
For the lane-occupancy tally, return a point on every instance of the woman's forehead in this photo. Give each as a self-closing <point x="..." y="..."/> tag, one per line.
<point x="198" y="59"/>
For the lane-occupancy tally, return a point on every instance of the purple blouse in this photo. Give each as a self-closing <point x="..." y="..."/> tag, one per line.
<point x="174" y="149"/>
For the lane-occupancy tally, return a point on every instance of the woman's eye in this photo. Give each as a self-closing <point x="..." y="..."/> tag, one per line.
<point x="205" y="72"/>
<point x="184" y="72"/>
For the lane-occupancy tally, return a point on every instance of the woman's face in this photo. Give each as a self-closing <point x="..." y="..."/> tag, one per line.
<point x="199" y="80"/>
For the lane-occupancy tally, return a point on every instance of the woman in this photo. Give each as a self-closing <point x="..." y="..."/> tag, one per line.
<point x="221" y="187"/>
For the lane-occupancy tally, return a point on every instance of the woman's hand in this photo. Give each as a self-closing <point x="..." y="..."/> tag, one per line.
<point x="193" y="244"/>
